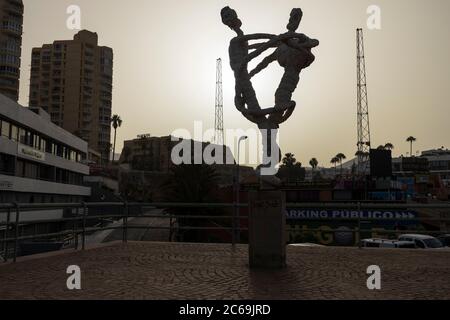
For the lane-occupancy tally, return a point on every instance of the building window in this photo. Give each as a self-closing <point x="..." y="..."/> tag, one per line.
<point x="43" y="146"/>
<point x="49" y="147"/>
<point x="22" y="136"/>
<point x="59" y="151"/>
<point x="31" y="170"/>
<point x="46" y="173"/>
<point x="7" y="164"/>
<point x="20" y="165"/>
<point x="14" y="133"/>
<point x="5" y="128"/>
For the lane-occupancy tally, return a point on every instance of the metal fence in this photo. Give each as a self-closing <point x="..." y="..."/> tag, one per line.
<point x="80" y="219"/>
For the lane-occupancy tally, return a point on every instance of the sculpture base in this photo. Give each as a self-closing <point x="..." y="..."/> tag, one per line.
<point x="267" y="230"/>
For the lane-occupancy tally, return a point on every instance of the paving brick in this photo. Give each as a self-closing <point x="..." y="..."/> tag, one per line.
<point x="149" y="270"/>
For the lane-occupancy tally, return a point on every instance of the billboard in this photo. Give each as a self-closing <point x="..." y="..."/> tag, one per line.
<point x="380" y="163"/>
<point x="311" y="214"/>
<point x="340" y="227"/>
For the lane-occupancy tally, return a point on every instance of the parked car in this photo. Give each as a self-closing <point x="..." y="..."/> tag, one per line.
<point x="422" y="241"/>
<point x="383" y="243"/>
<point x="445" y="240"/>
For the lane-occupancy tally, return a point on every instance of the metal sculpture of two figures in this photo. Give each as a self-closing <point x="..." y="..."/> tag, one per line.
<point x="293" y="53"/>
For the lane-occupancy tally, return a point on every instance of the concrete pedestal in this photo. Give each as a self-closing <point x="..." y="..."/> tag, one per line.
<point x="267" y="230"/>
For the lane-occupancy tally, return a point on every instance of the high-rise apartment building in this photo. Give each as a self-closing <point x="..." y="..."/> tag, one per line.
<point x="72" y="81"/>
<point x="11" y="21"/>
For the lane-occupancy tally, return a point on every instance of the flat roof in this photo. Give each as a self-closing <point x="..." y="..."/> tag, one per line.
<point x="22" y="115"/>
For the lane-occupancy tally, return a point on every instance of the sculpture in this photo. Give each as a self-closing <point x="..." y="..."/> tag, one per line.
<point x="293" y="53"/>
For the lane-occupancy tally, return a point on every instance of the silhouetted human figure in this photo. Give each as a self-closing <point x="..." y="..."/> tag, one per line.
<point x="294" y="55"/>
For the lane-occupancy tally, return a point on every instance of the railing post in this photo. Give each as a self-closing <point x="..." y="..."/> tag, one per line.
<point x="170" y="228"/>
<point x="75" y="228"/>
<point x="359" y="225"/>
<point x="233" y="226"/>
<point x="5" y="236"/>
<point x="83" y="244"/>
<point x="442" y="222"/>
<point x="16" y="233"/>
<point x="125" y="223"/>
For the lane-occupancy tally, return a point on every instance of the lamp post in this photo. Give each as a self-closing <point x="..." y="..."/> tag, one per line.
<point x="236" y="223"/>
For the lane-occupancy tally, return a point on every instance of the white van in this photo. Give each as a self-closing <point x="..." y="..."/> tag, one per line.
<point x="422" y="241"/>
<point x="383" y="243"/>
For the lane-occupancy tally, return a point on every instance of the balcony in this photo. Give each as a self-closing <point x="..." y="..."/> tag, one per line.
<point x="87" y="117"/>
<point x="15" y="51"/>
<point x="8" y="62"/>
<point x="7" y="71"/>
<point x="15" y="7"/>
<point x="9" y="90"/>
<point x="12" y="27"/>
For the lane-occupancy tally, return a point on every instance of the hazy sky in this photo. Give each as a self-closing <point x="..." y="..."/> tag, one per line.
<point x="165" y="61"/>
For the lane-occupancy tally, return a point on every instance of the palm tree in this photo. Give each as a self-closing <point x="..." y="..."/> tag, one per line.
<point x="289" y="159"/>
<point x="334" y="161"/>
<point x="411" y="139"/>
<point x="313" y="163"/>
<point x="291" y="170"/>
<point x="340" y="157"/>
<point x="116" y="122"/>
<point x="389" y="146"/>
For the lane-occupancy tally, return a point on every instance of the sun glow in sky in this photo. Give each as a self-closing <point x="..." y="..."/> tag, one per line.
<point x="165" y="62"/>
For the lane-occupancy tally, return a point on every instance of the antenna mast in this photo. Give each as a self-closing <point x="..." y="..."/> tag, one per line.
<point x="363" y="107"/>
<point x="219" y="134"/>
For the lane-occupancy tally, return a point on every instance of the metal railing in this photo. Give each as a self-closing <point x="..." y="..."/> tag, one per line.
<point x="80" y="220"/>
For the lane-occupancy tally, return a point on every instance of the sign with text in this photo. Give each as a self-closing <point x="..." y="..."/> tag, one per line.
<point x="312" y="214"/>
<point x="30" y="153"/>
<point x="6" y="185"/>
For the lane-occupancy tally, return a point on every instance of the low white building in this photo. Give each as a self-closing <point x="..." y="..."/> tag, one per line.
<point x="439" y="163"/>
<point x="39" y="161"/>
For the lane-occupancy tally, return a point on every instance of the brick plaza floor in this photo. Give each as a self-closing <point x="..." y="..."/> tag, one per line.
<point x="148" y="270"/>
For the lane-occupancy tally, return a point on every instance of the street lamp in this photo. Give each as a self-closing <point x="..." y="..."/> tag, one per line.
<point x="236" y="223"/>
